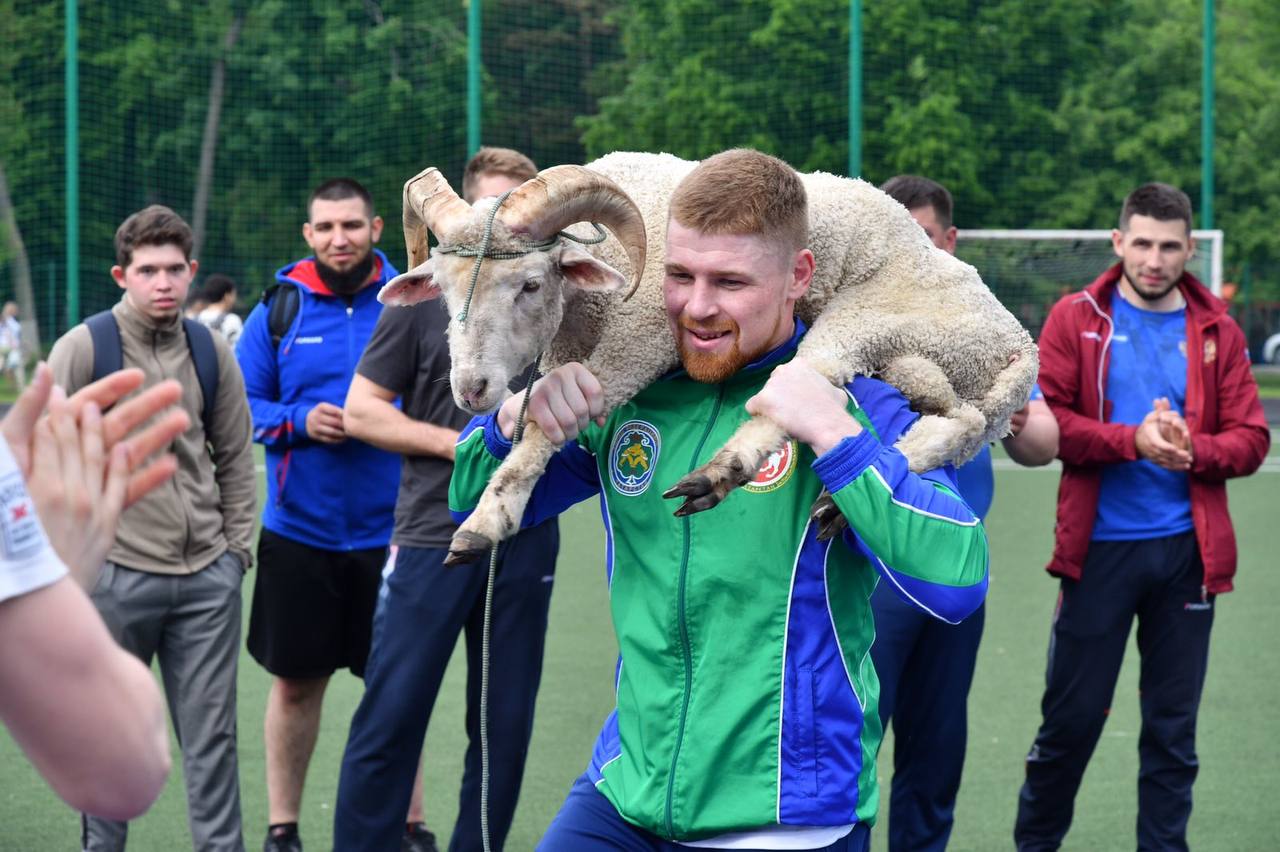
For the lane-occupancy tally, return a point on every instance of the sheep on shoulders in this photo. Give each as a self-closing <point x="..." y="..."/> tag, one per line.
<point x="883" y="302"/>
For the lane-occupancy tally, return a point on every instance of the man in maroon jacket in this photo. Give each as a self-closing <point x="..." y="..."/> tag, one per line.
<point x="1150" y="382"/>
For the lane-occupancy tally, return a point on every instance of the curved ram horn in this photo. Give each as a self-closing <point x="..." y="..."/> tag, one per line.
<point x="429" y="204"/>
<point x="561" y="195"/>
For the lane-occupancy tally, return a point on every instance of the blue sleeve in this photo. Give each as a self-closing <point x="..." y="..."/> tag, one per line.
<point x="571" y="475"/>
<point x="274" y="424"/>
<point x="921" y="537"/>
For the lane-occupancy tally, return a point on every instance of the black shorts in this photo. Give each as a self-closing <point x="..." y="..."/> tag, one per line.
<point x="312" y="608"/>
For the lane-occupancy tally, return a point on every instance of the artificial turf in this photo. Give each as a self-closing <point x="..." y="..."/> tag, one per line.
<point x="1239" y="723"/>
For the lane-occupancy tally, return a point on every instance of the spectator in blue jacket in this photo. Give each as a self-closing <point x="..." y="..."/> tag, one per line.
<point x="323" y="541"/>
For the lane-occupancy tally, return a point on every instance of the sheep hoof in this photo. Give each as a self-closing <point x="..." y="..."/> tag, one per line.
<point x="467" y="547"/>
<point x="828" y="517"/>
<point x="699" y="492"/>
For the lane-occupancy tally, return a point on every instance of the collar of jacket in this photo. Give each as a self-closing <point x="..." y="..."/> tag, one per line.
<point x="1202" y="306"/>
<point x="134" y="323"/>
<point x="304" y="274"/>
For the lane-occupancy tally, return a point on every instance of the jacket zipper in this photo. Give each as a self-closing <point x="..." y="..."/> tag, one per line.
<point x="684" y="631"/>
<point x="1102" y="358"/>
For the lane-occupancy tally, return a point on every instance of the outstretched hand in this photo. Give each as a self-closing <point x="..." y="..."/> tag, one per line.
<point x="83" y="468"/>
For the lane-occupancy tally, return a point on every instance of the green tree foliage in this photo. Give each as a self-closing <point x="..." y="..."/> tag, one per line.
<point x="1036" y="114"/>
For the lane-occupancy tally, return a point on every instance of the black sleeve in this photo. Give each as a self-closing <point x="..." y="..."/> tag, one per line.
<point x="390" y="359"/>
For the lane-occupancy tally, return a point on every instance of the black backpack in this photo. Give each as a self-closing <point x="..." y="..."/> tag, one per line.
<point x="281" y="299"/>
<point x="108" y="356"/>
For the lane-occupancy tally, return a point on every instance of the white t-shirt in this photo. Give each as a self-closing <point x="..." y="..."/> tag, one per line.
<point x="27" y="562"/>
<point x="226" y="323"/>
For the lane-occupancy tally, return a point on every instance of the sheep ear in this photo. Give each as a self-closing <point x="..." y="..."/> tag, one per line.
<point x="409" y="288"/>
<point x="585" y="272"/>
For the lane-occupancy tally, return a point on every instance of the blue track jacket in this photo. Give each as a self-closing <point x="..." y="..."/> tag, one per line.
<point x="330" y="496"/>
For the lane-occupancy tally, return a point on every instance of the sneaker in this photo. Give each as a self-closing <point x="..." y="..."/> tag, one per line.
<point x="417" y="839"/>
<point x="282" y="840"/>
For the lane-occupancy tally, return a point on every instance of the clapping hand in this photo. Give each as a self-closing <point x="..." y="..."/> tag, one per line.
<point x="84" y="468"/>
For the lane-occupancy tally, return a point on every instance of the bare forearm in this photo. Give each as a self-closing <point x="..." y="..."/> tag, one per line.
<point x="81" y="708"/>
<point x="381" y="424"/>
<point x="1037" y="443"/>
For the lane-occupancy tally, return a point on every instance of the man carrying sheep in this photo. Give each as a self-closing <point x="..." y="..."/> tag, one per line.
<point x="746" y="708"/>
<point x="926" y="666"/>
<point x="424" y="606"/>
<point x="1149" y="379"/>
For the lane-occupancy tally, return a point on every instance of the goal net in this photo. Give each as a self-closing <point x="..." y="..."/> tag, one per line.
<point x="1029" y="270"/>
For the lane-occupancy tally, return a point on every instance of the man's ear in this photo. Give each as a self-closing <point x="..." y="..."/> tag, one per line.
<point x="584" y="272"/>
<point x="117" y="273"/>
<point x="409" y="288"/>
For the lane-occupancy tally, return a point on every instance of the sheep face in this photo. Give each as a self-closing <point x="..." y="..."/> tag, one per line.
<point x="515" y="311"/>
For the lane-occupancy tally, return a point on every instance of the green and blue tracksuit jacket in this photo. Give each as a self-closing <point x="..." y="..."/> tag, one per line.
<point x="746" y="696"/>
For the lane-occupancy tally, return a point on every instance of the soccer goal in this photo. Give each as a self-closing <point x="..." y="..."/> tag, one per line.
<point x="1029" y="270"/>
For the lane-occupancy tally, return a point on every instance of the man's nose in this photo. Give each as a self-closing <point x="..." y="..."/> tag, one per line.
<point x="702" y="301"/>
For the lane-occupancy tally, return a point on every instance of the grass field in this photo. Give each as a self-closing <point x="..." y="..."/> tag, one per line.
<point x="1239" y="722"/>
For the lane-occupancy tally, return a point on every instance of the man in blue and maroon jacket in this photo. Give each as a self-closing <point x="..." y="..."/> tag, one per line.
<point x="1150" y="382"/>
<point x="330" y="497"/>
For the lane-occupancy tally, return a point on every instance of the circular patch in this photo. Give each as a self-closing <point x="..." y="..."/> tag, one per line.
<point x="775" y="471"/>
<point x="633" y="457"/>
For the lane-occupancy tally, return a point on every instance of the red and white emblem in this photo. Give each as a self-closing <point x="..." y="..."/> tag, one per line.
<point x="775" y="471"/>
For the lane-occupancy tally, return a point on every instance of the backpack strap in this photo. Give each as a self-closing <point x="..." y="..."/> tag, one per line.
<point x="108" y="353"/>
<point x="108" y="356"/>
<point x="282" y="301"/>
<point x="205" y="357"/>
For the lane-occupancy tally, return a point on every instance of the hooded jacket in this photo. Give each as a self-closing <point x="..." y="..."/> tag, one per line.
<point x="746" y="696"/>
<point x="209" y="505"/>
<point x="328" y="496"/>
<point x="1229" y="434"/>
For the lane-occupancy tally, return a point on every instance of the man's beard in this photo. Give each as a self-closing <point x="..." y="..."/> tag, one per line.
<point x="1150" y="295"/>
<point x="709" y="367"/>
<point x="344" y="283"/>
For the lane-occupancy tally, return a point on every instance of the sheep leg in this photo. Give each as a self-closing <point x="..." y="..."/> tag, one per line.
<point x="735" y="464"/>
<point x="497" y="516"/>
<point x="830" y="521"/>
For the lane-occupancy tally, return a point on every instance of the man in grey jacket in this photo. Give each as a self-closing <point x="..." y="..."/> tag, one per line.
<point x="171" y="585"/>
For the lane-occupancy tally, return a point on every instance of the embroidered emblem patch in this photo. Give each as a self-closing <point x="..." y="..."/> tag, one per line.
<point x="775" y="471"/>
<point x="633" y="457"/>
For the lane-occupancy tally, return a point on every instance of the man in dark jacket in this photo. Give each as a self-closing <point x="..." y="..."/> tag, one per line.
<point x="1150" y="382"/>
<point x="324" y="540"/>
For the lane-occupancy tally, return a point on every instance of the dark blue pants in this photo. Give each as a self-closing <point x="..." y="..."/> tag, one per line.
<point x="588" y="822"/>
<point x="1160" y="581"/>
<point x="422" y="606"/>
<point x="925" y="667"/>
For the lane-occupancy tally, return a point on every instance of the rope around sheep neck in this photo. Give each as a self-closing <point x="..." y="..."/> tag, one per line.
<point x="483" y="251"/>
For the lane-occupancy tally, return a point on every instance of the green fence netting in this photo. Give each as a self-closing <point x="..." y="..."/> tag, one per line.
<point x="1037" y="114"/>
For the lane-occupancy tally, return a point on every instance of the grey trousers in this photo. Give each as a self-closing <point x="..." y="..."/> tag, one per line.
<point x="192" y="623"/>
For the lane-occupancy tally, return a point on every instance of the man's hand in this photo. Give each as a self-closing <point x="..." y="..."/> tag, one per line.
<point x="562" y="403"/>
<point x="808" y="407"/>
<point x="1160" y="438"/>
<point x="1019" y="420"/>
<point x="324" y="424"/>
<point x="78" y="492"/>
<point x="1172" y="427"/>
<point x="124" y="420"/>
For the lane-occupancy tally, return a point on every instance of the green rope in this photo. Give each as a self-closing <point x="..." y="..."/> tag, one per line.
<point x="483" y="251"/>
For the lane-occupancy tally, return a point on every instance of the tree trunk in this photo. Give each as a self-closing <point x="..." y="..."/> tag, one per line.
<point x="21" y="271"/>
<point x="209" y="143"/>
